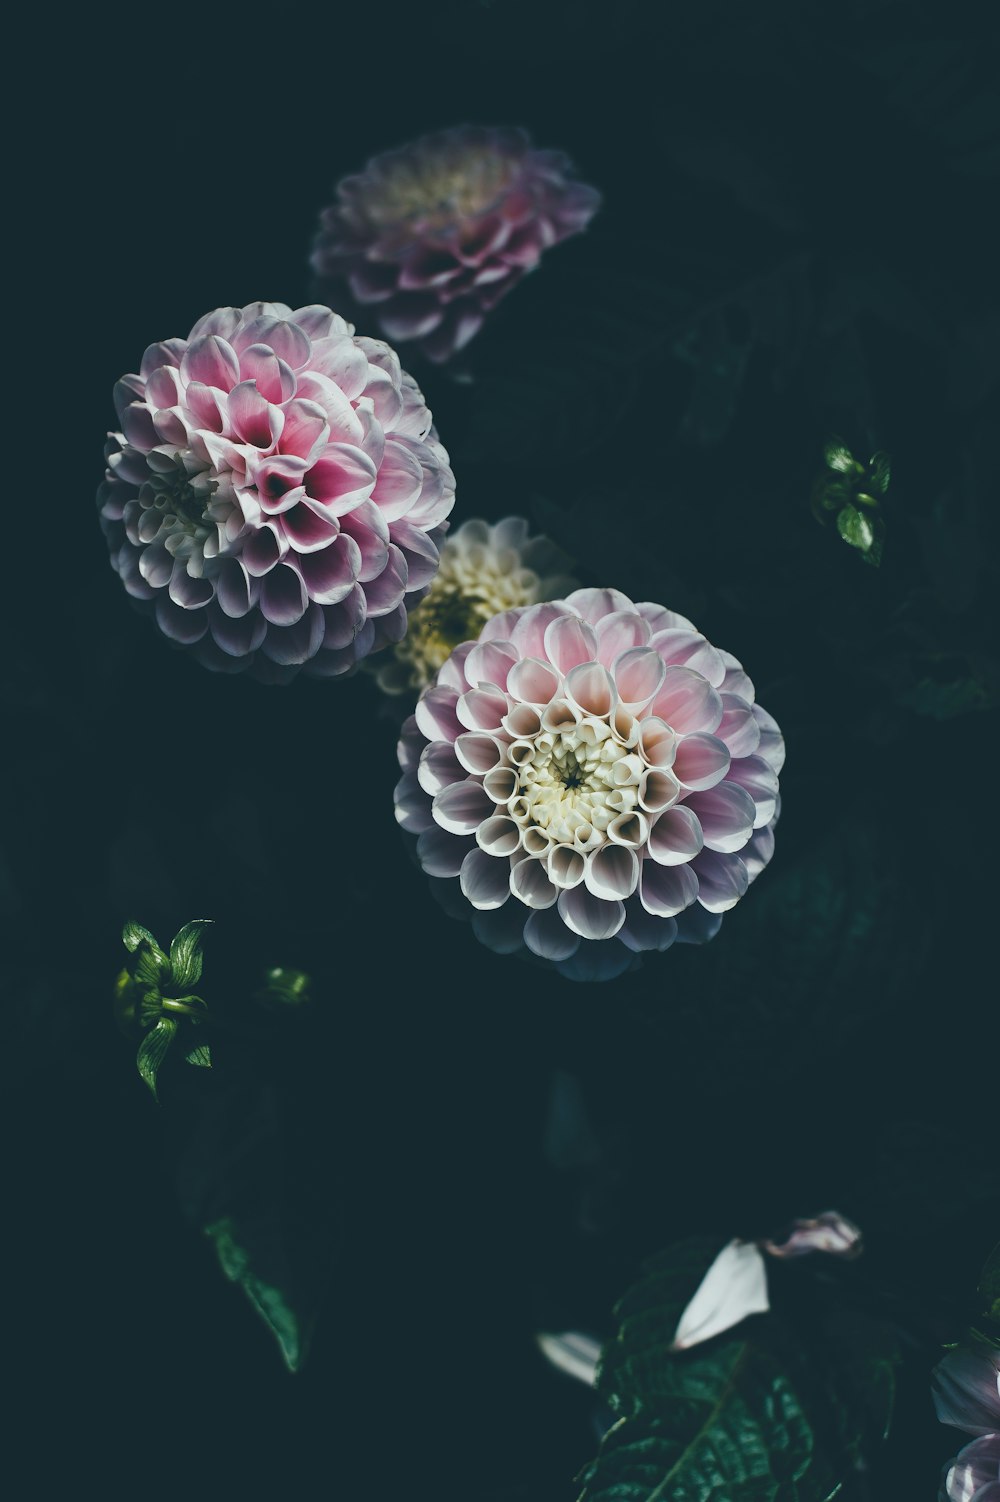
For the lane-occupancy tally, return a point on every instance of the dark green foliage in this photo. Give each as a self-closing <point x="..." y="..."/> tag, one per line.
<point x="766" y="1413"/>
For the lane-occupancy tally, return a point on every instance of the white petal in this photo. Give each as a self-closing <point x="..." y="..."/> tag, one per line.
<point x="734" y="1287"/>
<point x="589" y="916"/>
<point x="485" y="880"/>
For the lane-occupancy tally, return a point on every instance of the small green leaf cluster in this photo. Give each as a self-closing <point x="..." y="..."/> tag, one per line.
<point x="154" y="994"/>
<point x="852" y="492"/>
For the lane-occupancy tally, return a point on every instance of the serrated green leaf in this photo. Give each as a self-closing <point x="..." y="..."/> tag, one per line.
<point x="200" y="1056"/>
<point x="153" y="1050"/>
<point x="855" y="529"/>
<point x="272" y="1304"/>
<point x="185" y="953"/>
<point x="133" y="934"/>
<point x="757" y="1415"/>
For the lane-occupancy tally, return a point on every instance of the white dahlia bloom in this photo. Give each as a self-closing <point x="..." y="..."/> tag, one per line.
<point x="596" y="779"/>
<point x="276" y="492"/>
<point x="484" y="570"/>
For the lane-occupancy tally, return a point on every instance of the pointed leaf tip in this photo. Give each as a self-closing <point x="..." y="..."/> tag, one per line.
<point x="133" y="934"/>
<point x="185" y="952"/>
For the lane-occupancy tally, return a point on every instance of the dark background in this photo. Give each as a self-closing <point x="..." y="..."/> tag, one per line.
<point x="797" y="239"/>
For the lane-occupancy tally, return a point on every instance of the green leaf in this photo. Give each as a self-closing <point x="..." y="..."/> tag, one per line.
<point x="153" y="1050"/>
<point x="151" y="966"/>
<point x="185" y="953"/>
<point x="133" y="934"/>
<point x="839" y="457"/>
<point x="855" y="528"/>
<point x="272" y="1304"/>
<point x="733" y="1420"/>
<point x="200" y="1056"/>
<point x="760" y="1414"/>
<point x="878" y="464"/>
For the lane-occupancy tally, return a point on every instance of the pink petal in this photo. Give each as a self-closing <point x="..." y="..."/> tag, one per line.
<point x="436" y="716"/>
<point x="441" y="854"/>
<point x="687" y="701"/>
<point x="438" y="767"/>
<point x="738" y="728"/>
<point x="485" y="880"/>
<point x="666" y="891"/>
<point x="676" y="836"/>
<point x="690" y="649"/>
<point x="638" y="674"/>
<point x="546" y="935"/>
<point x="612" y="872"/>
<point x="722" y="880"/>
<point x="462" y="807"/>
<point x="589" y="916"/>
<point x="754" y="774"/>
<point x="489" y="663"/>
<point x="701" y="761"/>
<point x="591" y="688"/>
<point x="212" y="361"/>
<point x="595" y="604"/>
<point x="618" y="632"/>
<point x="330" y="573"/>
<point x="530" y="884"/>
<point x="283" y="598"/>
<point x="726" y="814"/>
<point x="569" y="642"/>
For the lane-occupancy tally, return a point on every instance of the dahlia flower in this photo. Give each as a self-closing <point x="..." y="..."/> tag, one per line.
<point x="974" y="1474"/>
<point x="966" y="1387"/>
<point x="595" y="778"/>
<point x="277" y="492"/>
<point x="483" y="570"/>
<point x="436" y="232"/>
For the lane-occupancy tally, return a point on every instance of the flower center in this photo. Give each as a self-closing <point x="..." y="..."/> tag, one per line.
<point x="443" y="190"/>
<point x="466" y="592"/>
<point x="573" y="784"/>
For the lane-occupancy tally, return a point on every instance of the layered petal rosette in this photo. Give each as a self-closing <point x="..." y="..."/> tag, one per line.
<point x="974" y="1474"/>
<point x="277" y="492"/>
<point x="595" y="777"/>
<point x="436" y="232"/>
<point x="484" y="570"/>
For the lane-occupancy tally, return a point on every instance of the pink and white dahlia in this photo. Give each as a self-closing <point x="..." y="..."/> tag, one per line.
<point x="595" y="776"/>
<point x="974" y="1474"/>
<point x="484" y="569"/>
<point x="436" y="232"/>
<point x="277" y="491"/>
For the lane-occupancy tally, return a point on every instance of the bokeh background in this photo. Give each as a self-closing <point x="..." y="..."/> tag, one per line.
<point x="454" y="1150"/>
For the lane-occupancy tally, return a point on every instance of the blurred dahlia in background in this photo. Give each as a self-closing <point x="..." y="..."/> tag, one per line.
<point x="595" y="778"/>
<point x="484" y="569"/>
<point x="277" y="491"/>
<point x="436" y="232"/>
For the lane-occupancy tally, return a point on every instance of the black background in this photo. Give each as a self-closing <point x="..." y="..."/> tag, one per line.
<point x="812" y="188"/>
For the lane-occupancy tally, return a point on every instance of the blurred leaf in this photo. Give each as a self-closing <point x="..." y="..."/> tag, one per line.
<point x="153" y="1050"/>
<point x="185" y="953"/>
<point x="839" y="457"/>
<point x="253" y="1172"/>
<point x="271" y="1304"/>
<point x="855" y="528"/>
<point x="200" y="1056"/>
